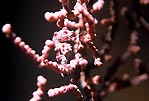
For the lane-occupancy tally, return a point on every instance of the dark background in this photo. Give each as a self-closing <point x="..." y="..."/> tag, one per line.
<point x="19" y="72"/>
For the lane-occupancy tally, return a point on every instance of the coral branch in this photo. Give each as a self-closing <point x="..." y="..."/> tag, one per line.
<point x="65" y="89"/>
<point x="41" y="81"/>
